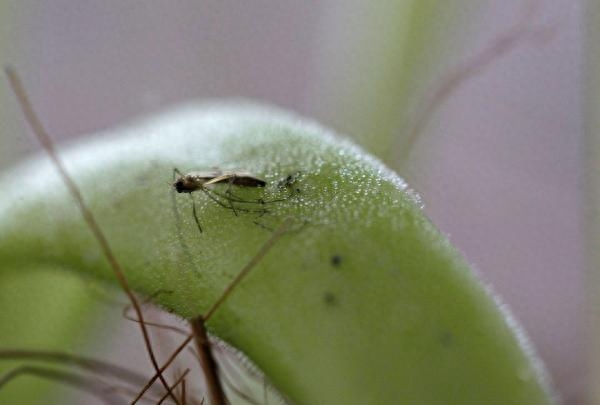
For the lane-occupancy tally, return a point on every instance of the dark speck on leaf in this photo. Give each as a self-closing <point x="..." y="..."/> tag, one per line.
<point x="336" y="260"/>
<point x="329" y="298"/>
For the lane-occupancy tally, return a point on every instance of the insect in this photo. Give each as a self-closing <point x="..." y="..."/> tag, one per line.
<point x="194" y="181"/>
<point x="201" y="181"/>
<point x="199" y="333"/>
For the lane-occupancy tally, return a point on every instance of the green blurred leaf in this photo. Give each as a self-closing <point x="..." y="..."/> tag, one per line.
<point x="363" y="301"/>
<point x="376" y="62"/>
<point x="41" y="307"/>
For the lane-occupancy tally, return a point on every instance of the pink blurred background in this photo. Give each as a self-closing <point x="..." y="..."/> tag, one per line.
<point x="499" y="165"/>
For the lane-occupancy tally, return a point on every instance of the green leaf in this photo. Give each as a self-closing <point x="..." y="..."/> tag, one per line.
<point x="362" y="301"/>
<point x="46" y="309"/>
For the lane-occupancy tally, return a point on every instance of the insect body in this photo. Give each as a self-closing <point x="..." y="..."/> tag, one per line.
<point x="199" y="181"/>
<point x="194" y="181"/>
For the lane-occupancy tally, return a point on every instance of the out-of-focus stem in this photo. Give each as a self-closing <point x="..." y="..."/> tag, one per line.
<point x="373" y="60"/>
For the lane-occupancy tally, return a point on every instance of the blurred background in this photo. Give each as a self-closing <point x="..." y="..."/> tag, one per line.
<point x="478" y="104"/>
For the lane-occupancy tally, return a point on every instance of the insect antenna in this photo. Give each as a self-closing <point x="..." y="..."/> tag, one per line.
<point x="88" y="216"/>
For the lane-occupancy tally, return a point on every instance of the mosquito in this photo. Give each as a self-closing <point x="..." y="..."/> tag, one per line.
<point x="201" y="181"/>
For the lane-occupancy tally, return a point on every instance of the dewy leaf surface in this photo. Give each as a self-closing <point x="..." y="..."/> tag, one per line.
<point x="362" y="301"/>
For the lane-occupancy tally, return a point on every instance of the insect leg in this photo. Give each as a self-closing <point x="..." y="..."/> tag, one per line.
<point x="213" y="196"/>
<point x="229" y="194"/>
<point x="176" y="172"/>
<point x="195" y="213"/>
